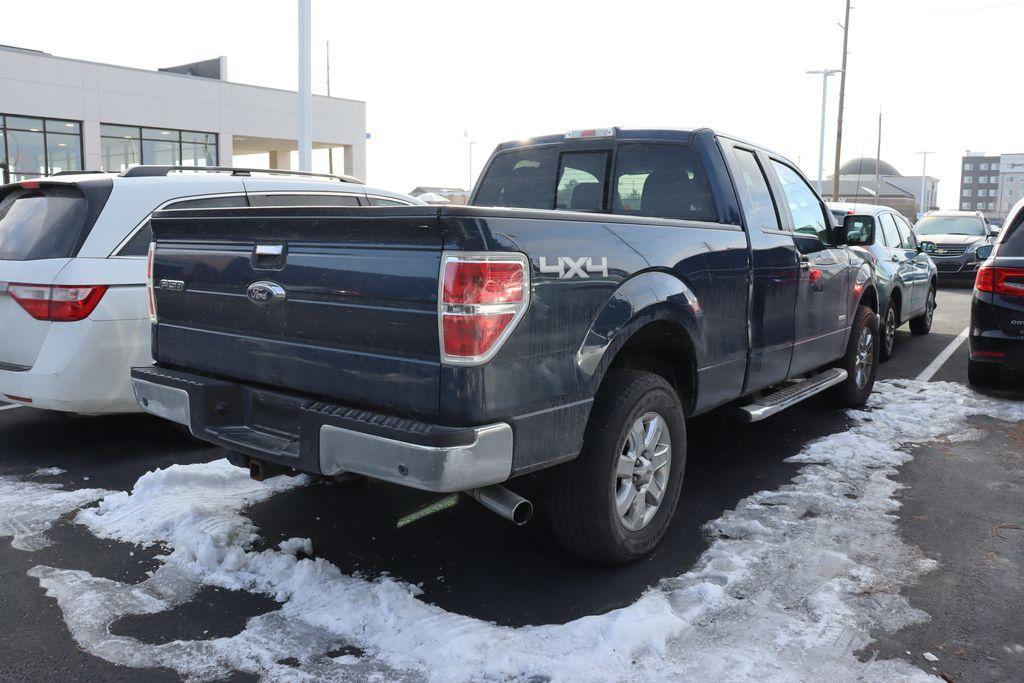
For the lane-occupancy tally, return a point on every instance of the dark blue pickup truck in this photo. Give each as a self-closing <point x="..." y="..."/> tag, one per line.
<point x="602" y="287"/>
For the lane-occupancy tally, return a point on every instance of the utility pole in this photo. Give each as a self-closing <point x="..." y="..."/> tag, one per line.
<point x="330" y="150"/>
<point x="878" y="159"/>
<point x="305" y="92"/>
<point x="842" y="96"/>
<point x="469" y="184"/>
<point x="825" y="73"/>
<point x="924" y="181"/>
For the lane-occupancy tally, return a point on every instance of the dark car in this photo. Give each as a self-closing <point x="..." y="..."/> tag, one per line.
<point x="997" y="311"/>
<point x="905" y="276"/>
<point x="952" y="239"/>
<point x="604" y="287"/>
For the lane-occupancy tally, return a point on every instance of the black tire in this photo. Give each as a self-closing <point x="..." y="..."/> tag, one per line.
<point x="854" y="391"/>
<point x="922" y="324"/>
<point x="582" y="493"/>
<point x="888" y="333"/>
<point x="982" y="374"/>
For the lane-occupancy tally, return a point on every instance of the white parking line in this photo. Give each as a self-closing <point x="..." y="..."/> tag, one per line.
<point x="940" y="360"/>
<point x="13" y="405"/>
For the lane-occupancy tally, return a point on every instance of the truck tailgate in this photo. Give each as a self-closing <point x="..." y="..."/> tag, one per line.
<point x="358" y="319"/>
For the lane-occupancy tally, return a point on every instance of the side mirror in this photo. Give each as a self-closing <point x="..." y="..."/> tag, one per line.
<point x="993" y="230"/>
<point x="858" y="230"/>
<point x="984" y="252"/>
<point x="926" y="247"/>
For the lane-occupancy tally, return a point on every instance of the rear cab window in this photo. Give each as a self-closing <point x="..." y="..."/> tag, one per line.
<point x="755" y="195"/>
<point x="657" y="180"/>
<point x="43" y="222"/>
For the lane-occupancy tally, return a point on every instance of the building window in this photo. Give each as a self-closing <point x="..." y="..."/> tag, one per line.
<point x="968" y="167"/>
<point x="991" y="206"/>
<point x="966" y="206"/>
<point x="967" y="193"/>
<point x="122" y="147"/>
<point x="35" y="147"/>
<point x="983" y="167"/>
<point x="993" y="180"/>
<point x="968" y="179"/>
<point x="982" y="179"/>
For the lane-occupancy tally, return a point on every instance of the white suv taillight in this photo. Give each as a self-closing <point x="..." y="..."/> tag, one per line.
<point x="57" y="303"/>
<point x="482" y="298"/>
<point x="150" y="294"/>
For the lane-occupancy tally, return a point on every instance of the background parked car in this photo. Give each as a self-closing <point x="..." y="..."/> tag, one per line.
<point x="905" y="277"/>
<point x="997" y="310"/>
<point x="953" y="238"/>
<point x="73" y="309"/>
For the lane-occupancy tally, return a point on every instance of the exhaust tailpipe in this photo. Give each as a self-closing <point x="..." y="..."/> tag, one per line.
<point x="504" y="502"/>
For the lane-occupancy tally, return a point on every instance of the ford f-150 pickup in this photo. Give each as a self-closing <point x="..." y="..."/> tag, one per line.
<point x="603" y="287"/>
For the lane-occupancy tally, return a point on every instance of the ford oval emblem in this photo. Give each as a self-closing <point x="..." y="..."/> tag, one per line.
<point x="266" y="293"/>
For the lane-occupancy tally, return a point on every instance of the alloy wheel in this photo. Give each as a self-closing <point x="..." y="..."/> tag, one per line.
<point x="641" y="476"/>
<point x="865" y="358"/>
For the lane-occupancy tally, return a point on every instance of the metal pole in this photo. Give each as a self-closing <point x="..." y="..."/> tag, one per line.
<point x="305" y="91"/>
<point x="825" y="73"/>
<point x="330" y="150"/>
<point x="924" y="182"/>
<point x="878" y="159"/>
<point x="842" y="97"/>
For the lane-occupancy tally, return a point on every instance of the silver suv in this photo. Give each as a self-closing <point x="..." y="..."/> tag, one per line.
<point x="952" y="239"/>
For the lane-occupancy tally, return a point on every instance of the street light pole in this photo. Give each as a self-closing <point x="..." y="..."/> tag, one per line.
<point x="305" y="92"/>
<point x="924" y="181"/>
<point x="825" y="73"/>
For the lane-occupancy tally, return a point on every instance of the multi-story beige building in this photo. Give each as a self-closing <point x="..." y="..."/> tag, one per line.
<point x="59" y="114"/>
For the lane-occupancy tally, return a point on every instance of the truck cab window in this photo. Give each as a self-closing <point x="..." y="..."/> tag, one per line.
<point x="523" y="178"/>
<point x="581" y="181"/>
<point x="804" y="206"/>
<point x="661" y="181"/>
<point x="755" y="196"/>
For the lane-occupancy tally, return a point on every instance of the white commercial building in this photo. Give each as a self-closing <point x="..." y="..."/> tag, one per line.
<point x="60" y="114"/>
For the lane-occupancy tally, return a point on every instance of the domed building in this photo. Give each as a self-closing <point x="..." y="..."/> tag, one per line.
<point x="866" y="167"/>
<point x="895" y="190"/>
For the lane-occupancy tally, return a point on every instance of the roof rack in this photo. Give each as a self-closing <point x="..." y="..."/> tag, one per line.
<point x="156" y="171"/>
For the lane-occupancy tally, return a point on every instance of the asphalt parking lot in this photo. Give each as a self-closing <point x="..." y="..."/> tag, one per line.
<point x="961" y="513"/>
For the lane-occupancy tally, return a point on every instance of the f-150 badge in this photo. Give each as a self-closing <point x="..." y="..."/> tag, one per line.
<point x="568" y="267"/>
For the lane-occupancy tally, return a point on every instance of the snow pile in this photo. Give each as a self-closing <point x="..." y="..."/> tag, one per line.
<point x="49" y="472"/>
<point x="28" y="509"/>
<point x="789" y="588"/>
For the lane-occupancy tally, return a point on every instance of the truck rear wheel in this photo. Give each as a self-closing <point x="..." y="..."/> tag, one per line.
<point x="860" y="361"/>
<point x="614" y="503"/>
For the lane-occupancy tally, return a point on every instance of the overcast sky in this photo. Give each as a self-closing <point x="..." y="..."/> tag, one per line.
<point x="945" y="73"/>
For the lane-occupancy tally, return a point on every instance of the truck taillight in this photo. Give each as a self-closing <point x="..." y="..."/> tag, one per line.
<point x="1005" y="281"/>
<point x="57" y="303"/>
<point x="482" y="298"/>
<point x="150" y="294"/>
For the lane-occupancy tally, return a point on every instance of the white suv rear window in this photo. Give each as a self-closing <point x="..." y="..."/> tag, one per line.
<point x="41" y="223"/>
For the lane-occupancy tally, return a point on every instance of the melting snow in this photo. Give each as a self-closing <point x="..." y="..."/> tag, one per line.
<point x="49" y="472"/>
<point x="789" y="588"/>
<point x="28" y="509"/>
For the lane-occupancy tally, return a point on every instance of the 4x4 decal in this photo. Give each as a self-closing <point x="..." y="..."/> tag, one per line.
<point x="568" y="267"/>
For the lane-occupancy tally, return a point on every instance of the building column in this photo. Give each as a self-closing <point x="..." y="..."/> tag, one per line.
<point x="355" y="160"/>
<point x="225" y="147"/>
<point x="91" y="156"/>
<point x="281" y="159"/>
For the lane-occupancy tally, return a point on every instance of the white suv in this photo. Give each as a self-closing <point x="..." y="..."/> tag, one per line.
<point x="73" y="307"/>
